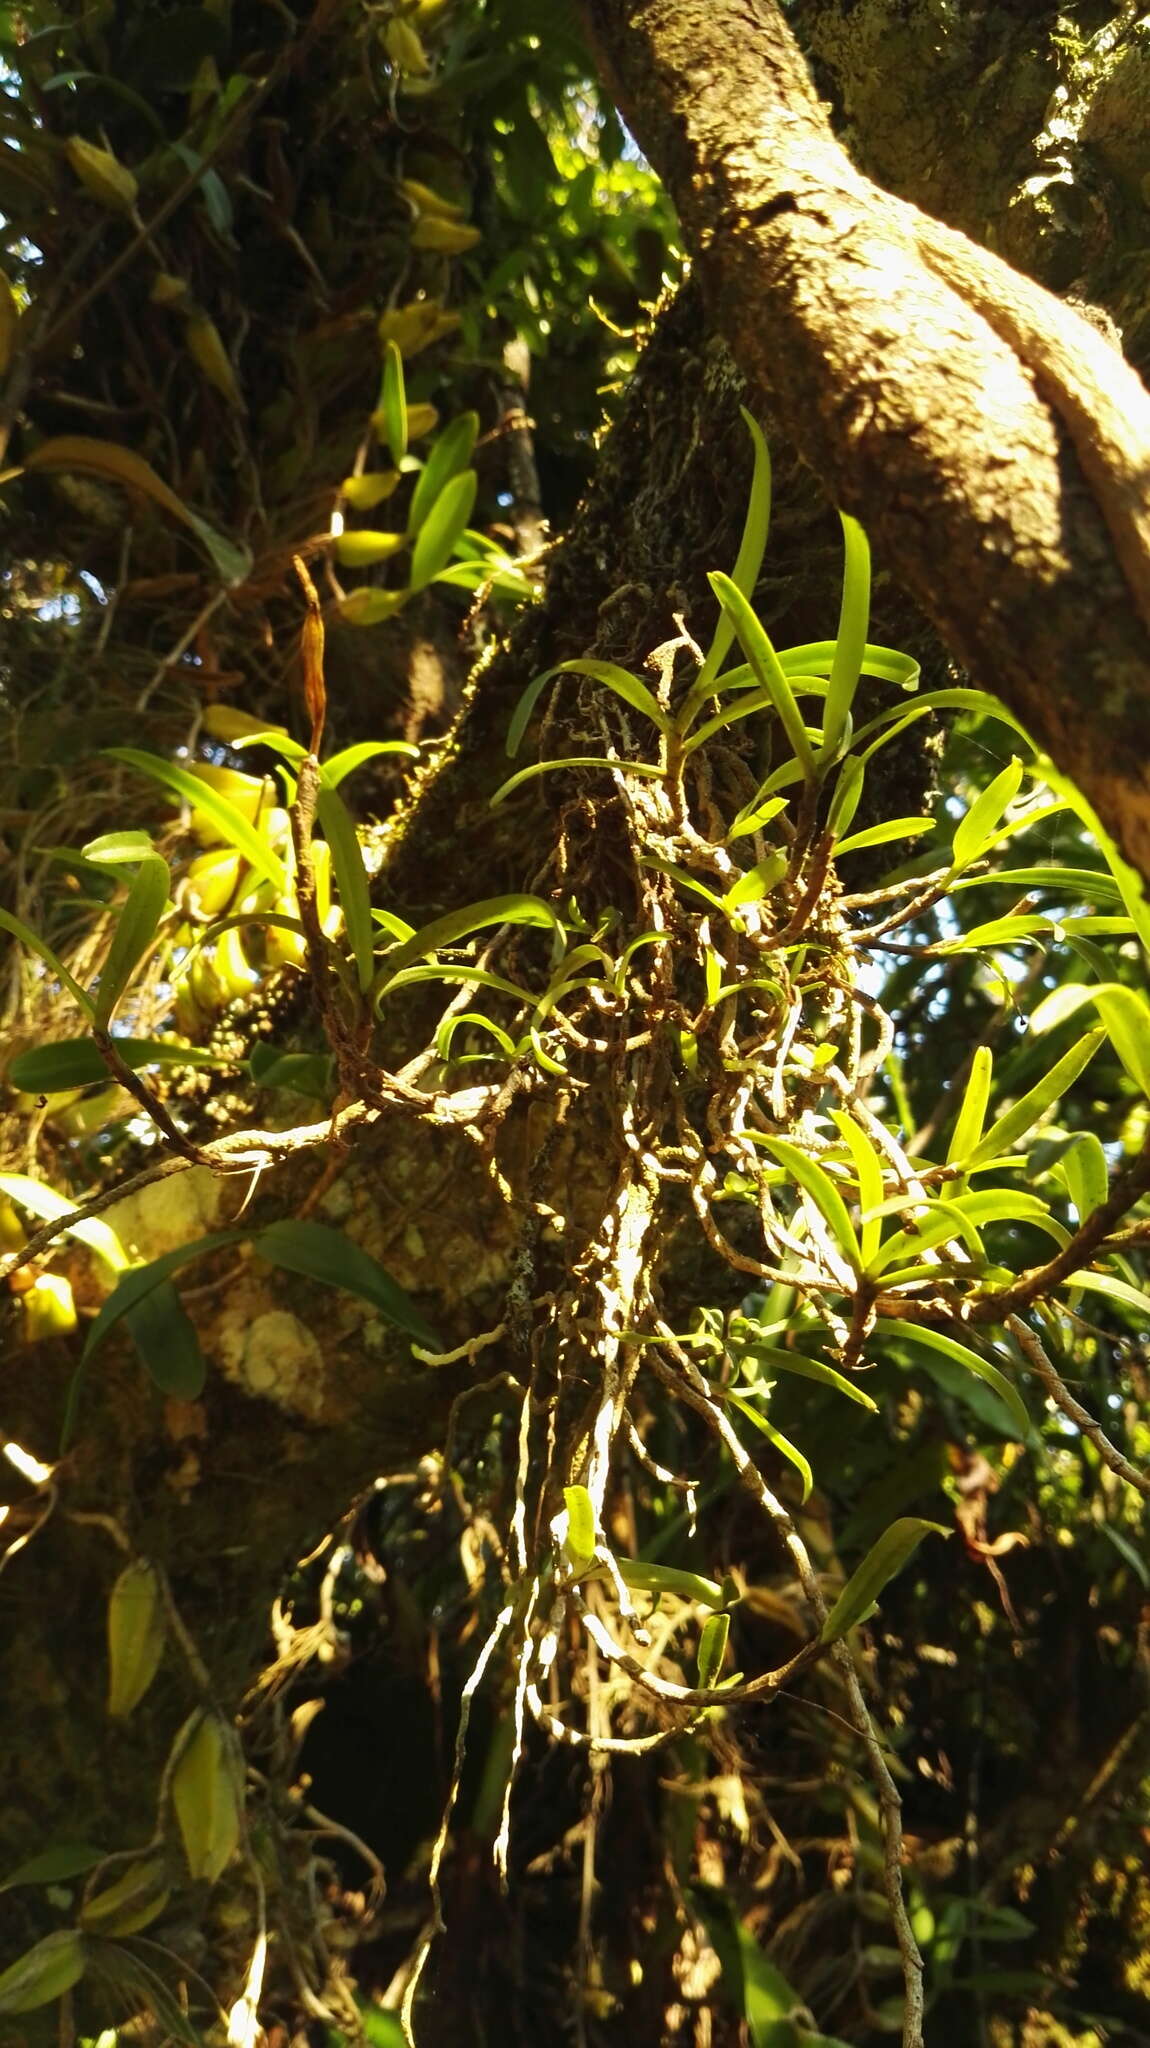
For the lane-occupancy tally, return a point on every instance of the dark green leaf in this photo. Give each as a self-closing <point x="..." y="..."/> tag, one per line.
<point x="713" y="1648"/>
<point x="895" y="1547"/>
<point x="320" y="1253"/>
<point x="167" y="1344"/>
<point x="55" y="1865"/>
<point x="77" y="1063"/>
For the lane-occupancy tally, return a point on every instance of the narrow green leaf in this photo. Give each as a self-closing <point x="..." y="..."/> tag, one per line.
<point x="393" y="403"/>
<point x="712" y="1648"/>
<point x="139" y="917"/>
<point x="1000" y="931"/>
<point x="76" y="1062"/>
<point x="776" y="1359"/>
<point x="881" y="835"/>
<point x="1129" y="882"/>
<point x="1087" y="1174"/>
<point x="278" y="742"/>
<point x="759" y="651"/>
<point x="43" y="951"/>
<point x="223" y="813"/>
<point x="450" y="1025"/>
<point x="1113" y="1289"/>
<point x="575" y="761"/>
<point x="343" y="764"/>
<point x="442" y="528"/>
<point x="44" y="1972"/>
<point x="679" y="874"/>
<point x="961" y="1354"/>
<point x="450" y="972"/>
<point x="1070" y="883"/>
<point x="665" y="1578"/>
<point x="775" y="1436"/>
<point x="894" y="1549"/>
<point x="579" y="1544"/>
<point x="135" y="1284"/>
<point x="974" y="832"/>
<point x="754" y="816"/>
<point x="732" y="714"/>
<point x="619" y="680"/>
<point x="1128" y="1551"/>
<point x="320" y="1253"/>
<point x="868" y="1173"/>
<point x="757" y="882"/>
<point x="46" y="1203"/>
<point x="850" y="644"/>
<point x="1126" y="1015"/>
<point x="350" y="879"/>
<point x="1004" y="1135"/>
<point x="55" y="1865"/>
<point x="889" y="724"/>
<point x="167" y="1344"/>
<point x="822" y="1190"/>
<point x="845" y="801"/>
<point x="451" y="453"/>
<point x="460" y="924"/>
<point x="972" y="1109"/>
<point x="305" y="1073"/>
<point x="745" y="575"/>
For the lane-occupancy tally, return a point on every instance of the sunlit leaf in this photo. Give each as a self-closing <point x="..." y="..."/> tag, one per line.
<point x="744" y="576"/>
<point x="46" y="1203"/>
<point x="881" y="835"/>
<point x="868" y="1172"/>
<point x="973" y="833"/>
<point x="343" y="764"/>
<point x="776" y="1359"/>
<point x="850" y="644"/>
<point x="350" y="877"/>
<point x="894" y="1549"/>
<point x="452" y="452"/>
<point x="619" y="680"/>
<point x="1087" y="1174"/>
<point x="818" y="1184"/>
<point x="972" y="1109"/>
<point x="757" y="647"/>
<point x="574" y="761"/>
<point x="960" y="1354"/>
<point x="393" y="403"/>
<point x="460" y="924"/>
<point x="442" y="527"/>
<point x="200" y="795"/>
<point x="139" y="917"/>
<point x="775" y="1436"/>
<point x="1004" y="1135"/>
<point x="579" y="1543"/>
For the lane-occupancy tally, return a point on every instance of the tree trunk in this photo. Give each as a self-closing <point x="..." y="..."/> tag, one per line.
<point x="990" y="440"/>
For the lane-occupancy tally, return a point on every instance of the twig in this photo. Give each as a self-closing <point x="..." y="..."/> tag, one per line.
<point x="1125" y="1190"/>
<point x="1062" y="1398"/>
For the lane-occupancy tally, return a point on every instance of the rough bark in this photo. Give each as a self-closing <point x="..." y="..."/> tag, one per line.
<point x="994" y="444"/>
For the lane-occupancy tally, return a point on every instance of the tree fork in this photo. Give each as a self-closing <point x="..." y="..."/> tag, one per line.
<point x="993" y="443"/>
